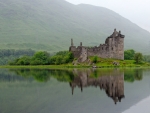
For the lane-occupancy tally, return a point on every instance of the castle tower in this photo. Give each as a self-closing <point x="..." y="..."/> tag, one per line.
<point x="71" y="42"/>
<point x="80" y="43"/>
<point x="118" y="45"/>
<point x="119" y="32"/>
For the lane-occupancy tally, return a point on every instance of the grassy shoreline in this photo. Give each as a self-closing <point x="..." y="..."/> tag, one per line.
<point x="70" y="66"/>
<point x="101" y="63"/>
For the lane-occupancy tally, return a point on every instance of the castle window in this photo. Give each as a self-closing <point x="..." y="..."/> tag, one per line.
<point x="112" y="48"/>
<point x="106" y="48"/>
<point x="102" y="48"/>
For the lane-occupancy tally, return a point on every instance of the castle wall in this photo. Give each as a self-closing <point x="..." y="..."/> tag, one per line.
<point x="83" y="55"/>
<point x="113" y="48"/>
<point x="76" y="51"/>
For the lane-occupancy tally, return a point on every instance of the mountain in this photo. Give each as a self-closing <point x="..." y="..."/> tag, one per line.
<point x="50" y="24"/>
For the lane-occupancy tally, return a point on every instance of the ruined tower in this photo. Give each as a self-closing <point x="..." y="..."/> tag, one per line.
<point x="115" y="45"/>
<point x="71" y="42"/>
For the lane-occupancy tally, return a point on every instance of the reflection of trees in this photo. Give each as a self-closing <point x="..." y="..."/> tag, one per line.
<point x="39" y="75"/>
<point x="63" y="75"/>
<point x="131" y="75"/>
<point x="43" y="75"/>
<point x="138" y="74"/>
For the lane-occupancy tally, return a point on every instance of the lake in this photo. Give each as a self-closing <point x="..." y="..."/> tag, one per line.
<point x="74" y="90"/>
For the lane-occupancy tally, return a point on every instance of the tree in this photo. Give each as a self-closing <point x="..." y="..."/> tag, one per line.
<point x="70" y="56"/>
<point x="25" y="60"/>
<point x="95" y="59"/>
<point x="59" y="59"/>
<point x="43" y="58"/>
<point x="62" y="53"/>
<point x="52" y="60"/>
<point x="138" y="57"/>
<point x="129" y="54"/>
<point x="40" y="58"/>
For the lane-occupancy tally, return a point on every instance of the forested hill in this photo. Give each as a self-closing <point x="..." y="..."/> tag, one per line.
<point x="50" y="24"/>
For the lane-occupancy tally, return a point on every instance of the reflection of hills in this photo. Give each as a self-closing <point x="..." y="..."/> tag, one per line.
<point x="7" y="76"/>
<point x="113" y="83"/>
<point x="40" y="75"/>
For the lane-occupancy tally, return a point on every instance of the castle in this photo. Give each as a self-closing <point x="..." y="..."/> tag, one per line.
<point x="113" y="48"/>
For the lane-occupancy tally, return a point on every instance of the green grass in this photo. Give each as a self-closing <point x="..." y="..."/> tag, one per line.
<point x="101" y="63"/>
<point x="122" y="63"/>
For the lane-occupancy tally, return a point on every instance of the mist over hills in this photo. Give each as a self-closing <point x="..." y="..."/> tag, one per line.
<point x="50" y="24"/>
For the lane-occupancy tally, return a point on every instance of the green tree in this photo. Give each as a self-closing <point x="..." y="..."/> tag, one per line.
<point x="138" y="57"/>
<point x="129" y="54"/>
<point x="43" y="58"/>
<point x="62" y="53"/>
<point x="52" y="60"/>
<point x="59" y="59"/>
<point x="40" y="58"/>
<point x="25" y="60"/>
<point x="95" y="59"/>
<point x="70" y="56"/>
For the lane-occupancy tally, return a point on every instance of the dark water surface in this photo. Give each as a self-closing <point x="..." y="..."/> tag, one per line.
<point x="73" y="90"/>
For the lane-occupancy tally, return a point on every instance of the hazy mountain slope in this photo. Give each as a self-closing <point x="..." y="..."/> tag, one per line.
<point x="50" y="24"/>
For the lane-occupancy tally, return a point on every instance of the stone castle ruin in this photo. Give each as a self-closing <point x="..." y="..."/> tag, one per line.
<point x="113" y="48"/>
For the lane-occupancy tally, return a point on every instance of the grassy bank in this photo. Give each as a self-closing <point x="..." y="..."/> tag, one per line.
<point x="100" y="63"/>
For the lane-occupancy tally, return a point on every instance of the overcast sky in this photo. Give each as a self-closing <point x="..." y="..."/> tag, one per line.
<point x="137" y="11"/>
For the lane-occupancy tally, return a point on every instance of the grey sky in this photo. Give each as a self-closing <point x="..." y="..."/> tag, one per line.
<point x="137" y="11"/>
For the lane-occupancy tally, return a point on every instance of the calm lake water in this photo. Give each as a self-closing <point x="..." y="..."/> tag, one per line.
<point x="73" y="90"/>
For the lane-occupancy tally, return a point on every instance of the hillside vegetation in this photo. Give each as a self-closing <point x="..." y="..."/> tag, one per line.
<point x="50" y="24"/>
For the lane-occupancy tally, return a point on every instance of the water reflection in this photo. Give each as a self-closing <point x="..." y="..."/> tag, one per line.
<point x="44" y="75"/>
<point x="130" y="75"/>
<point x="48" y="90"/>
<point x="109" y="80"/>
<point x="112" y="83"/>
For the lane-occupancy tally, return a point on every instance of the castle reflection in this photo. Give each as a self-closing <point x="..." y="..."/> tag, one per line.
<point x="112" y="83"/>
